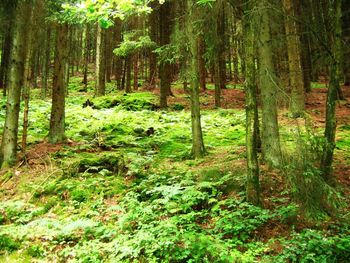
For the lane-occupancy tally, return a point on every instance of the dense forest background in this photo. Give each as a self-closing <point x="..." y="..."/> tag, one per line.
<point x="175" y="131"/>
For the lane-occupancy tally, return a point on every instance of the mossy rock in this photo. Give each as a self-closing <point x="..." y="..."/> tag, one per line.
<point x="106" y="164"/>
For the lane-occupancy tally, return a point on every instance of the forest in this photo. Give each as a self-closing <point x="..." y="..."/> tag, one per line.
<point x="175" y="131"/>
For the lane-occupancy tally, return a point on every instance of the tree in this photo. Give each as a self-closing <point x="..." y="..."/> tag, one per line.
<point x="8" y="155"/>
<point x="198" y="149"/>
<point x="100" y="62"/>
<point x="252" y="119"/>
<point x="334" y="30"/>
<point x="270" y="132"/>
<point x="294" y="60"/>
<point x="57" y="119"/>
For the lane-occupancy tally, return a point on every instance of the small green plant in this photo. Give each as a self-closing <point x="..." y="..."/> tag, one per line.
<point x="7" y="244"/>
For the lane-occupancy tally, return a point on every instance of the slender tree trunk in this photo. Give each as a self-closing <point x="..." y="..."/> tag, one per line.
<point x="202" y="69"/>
<point x="57" y="120"/>
<point x="198" y="149"/>
<point x="128" y="62"/>
<point x="5" y="54"/>
<point x="136" y="71"/>
<point x="47" y="61"/>
<point x="252" y="119"/>
<point x="109" y="55"/>
<point x="86" y="56"/>
<point x="334" y="85"/>
<point x="270" y="132"/>
<point x="8" y="155"/>
<point x="297" y="106"/>
<point x="100" y="62"/>
<point x="28" y="69"/>
<point x="165" y="66"/>
<point x="154" y="32"/>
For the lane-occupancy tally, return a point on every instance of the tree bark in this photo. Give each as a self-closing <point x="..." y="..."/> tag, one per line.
<point x="334" y="85"/>
<point x="8" y="155"/>
<point x="270" y="132"/>
<point x="57" y="119"/>
<point x="297" y="106"/>
<point x="100" y="62"/>
<point x="252" y="118"/>
<point x="165" y="66"/>
<point x="198" y="149"/>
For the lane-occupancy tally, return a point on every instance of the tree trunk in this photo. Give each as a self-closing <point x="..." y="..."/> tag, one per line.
<point x="270" y="131"/>
<point x="57" y="120"/>
<point x="297" y="106"/>
<point x="128" y="62"/>
<point x="109" y="55"/>
<point x="100" y="62"/>
<point x="154" y="31"/>
<point x="334" y="85"/>
<point x="165" y="66"/>
<point x="8" y="155"/>
<point x="198" y="149"/>
<point x="252" y="119"/>
<point x="86" y="56"/>
<point x="202" y="69"/>
<point x="5" y="54"/>
<point x="136" y="71"/>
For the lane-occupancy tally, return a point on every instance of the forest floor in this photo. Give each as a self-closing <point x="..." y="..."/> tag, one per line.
<point x="124" y="188"/>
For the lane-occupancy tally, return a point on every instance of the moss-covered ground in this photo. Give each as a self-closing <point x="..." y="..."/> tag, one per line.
<point x="124" y="188"/>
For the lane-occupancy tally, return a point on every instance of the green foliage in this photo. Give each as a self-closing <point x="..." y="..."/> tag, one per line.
<point x="7" y="244"/>
<point x="133" y="44"/>
<point x="314" y="246"/>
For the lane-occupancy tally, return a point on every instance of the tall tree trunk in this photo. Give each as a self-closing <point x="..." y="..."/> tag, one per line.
<point x="334" y="85"/>
<point x="46" y="63"/>
<point x="297" y="106"/>
<point x="109" y="55"/>
<point x="100" y="62"/>
<point x="270" y="132"/>
<point x="252" y="119"/>
<point x="136" y="71"/>
<point x="8" y="153"/>
<point x="154" y="32"/>
<point x="202" y="69"/>
<point x="198" y="149"/>
<point x="28" y="69"/>
<point x="128" y="62"/>
<point x="57" y="120"/>
<point x="346" y="42"/>
<point x="86" y="56"/>
<point x="5" y="54"/>
<point x="165" y="66"/>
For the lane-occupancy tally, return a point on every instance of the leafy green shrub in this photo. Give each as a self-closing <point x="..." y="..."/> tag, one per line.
<point x="314" y="246"/>
<point x="237" y="221"/>
<point x="35" y="251"/>
<point x="80" y="195"/>
<point x="8" y="244"/>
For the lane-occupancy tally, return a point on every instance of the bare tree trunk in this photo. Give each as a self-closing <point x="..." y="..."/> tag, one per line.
<point x="8" y="155"/>
<point x="270" y="132"/>
<point x="100" y="62"/>
<point x="57" y="120"/>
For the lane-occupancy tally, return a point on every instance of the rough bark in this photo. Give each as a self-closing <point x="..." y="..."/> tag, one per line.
<point x="297" y="105"/>
<point x="198" y="149"/>
<point x="165" y="66"/>
<point x="57" y="119"/>
<point x="8" y="154"/>
<point x="252" y="120"/>
<point x="270" y="132"/>
<point x="334" y="85"/>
